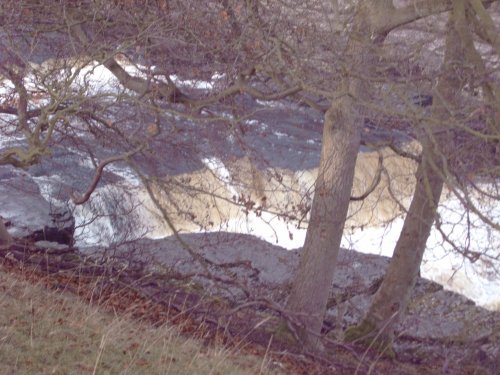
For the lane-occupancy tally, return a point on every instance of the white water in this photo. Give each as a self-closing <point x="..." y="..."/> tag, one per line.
<point x="476" y="281"/>
<point x="440" y="264"/>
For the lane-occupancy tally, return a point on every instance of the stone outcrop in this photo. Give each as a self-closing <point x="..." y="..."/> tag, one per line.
<point x="28" y="215"/>
<point x="440" y="324"/>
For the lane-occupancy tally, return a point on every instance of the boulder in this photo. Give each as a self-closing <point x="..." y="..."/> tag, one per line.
<point x="28" y="215"/>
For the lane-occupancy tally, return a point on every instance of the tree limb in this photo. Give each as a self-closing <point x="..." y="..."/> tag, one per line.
<point x="487" y="23"/>
<point x="169" y="91"/>
<point x="80" y="199"/>
<point x="375" y="181"/>
<point x="417" y="10"/>
<point x="410" y="13"/>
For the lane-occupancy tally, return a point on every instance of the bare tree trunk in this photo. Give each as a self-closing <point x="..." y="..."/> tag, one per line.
<point x="392" y="297"/>
<point x="312" y="283"/>
<point x="340" y="146"/>
<point x="391" y="300"/>
<point x="5" y="237"/>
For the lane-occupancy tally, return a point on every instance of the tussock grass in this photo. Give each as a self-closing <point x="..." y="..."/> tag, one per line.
<point x="49" y="332"/>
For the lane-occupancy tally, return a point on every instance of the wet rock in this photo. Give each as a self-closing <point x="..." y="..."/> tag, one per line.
<point x="440" y="324"/>
<point x="51" y="246"/>
<point x="28" y="215"/>
<point x="61" y="228"/>
<point x="265" y="270"/>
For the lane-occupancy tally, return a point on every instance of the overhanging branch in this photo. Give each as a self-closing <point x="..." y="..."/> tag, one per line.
<point x="80" y="199"/>
<point x="376" y="180"/>
<point x="417" y="10"/>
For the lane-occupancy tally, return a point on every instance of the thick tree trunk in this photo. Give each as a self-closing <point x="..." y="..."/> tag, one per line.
<point x="391" y="300"/>
<point x="312" y="283"/>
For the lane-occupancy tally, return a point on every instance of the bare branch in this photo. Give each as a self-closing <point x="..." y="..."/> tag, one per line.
<point x="416" y="11"/>
<point x="98" y="174"/>
<point x="375" y="181"/>
<point x="487" y="24"/>
<point x="413" y="12"/>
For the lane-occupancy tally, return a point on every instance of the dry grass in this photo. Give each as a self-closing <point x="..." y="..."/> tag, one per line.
<point x="48" y="332"/>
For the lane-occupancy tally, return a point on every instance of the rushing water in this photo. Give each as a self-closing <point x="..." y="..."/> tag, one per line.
<point x="478" y="281"/>
<point x="286" y="138"/>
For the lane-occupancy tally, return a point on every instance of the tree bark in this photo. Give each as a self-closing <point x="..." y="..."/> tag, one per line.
<point x="340" y="146"/>
<point x="312" y="283"/>
<point x="391" y="300"/>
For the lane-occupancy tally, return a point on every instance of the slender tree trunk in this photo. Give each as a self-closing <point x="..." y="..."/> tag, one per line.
<point x="391" y="300"/>
<point x="340" y="146"/>
<point x="312" y="283"/>
<point x="392" y="297"/>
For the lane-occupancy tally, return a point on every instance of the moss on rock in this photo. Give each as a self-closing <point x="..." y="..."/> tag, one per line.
<point x="283" y="333"/>
<point x="367" y="334"/>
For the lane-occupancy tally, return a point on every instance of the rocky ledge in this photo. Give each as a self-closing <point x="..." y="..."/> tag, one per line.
<point x="441" y="325"/>
<point x="28" y="215"/>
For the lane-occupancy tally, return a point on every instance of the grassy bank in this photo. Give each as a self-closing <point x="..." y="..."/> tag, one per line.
<point x="49" y="332"/>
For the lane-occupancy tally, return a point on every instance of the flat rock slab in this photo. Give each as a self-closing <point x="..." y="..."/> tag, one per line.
<point x="436" y="317"/>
